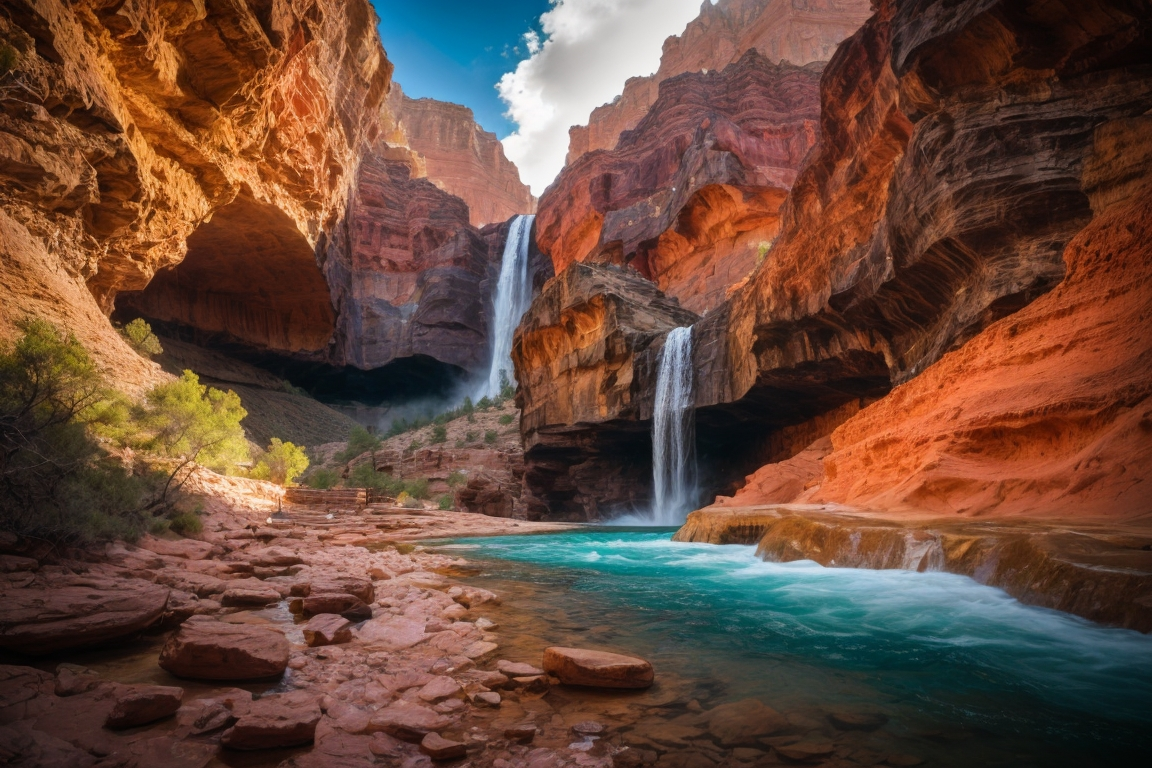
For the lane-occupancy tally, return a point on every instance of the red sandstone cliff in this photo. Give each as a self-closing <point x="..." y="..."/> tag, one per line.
<point x="955" y="184"/>
<point x="795" y="31"/>
<point x="691" y="197"/>
<point x="134" y="137"/>
<point x="462" y="158"/>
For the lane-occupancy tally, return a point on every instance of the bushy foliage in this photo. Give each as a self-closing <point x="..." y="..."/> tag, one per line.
<point x="446" y="502"/>
<point x="9" y="58"/>
<point x="490" y="437"/>
<point x="471" y="437"/>
<point x="186" y="523"/>
<point x="417" y="489"/>
<point x="360" y="441"/>
<point x="322" y="479"/>
<point x="365" y="476"/>
<point x="281" y="463"/>
<point x="439" y="434"/>
<point x="456" y="479"/>
<point x="506" y="419"/>
<point x="139" y="336"/>
<point x="56" y="482"/>
<point x="408" y="501"/>
<point x="507" y="388"/>
<point x="415" y="445"/>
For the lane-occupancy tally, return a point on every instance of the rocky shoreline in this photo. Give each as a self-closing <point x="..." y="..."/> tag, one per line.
<point x="1099" y="572"/>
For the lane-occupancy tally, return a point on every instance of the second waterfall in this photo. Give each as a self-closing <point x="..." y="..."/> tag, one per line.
<point x="674" y="432"/>
<point x="512" y="299"/>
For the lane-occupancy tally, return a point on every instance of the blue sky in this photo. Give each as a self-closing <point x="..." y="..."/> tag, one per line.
<point x="457" y="50"/>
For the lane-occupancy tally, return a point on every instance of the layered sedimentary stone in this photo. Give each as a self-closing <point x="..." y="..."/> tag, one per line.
<point x="582" y="356"/>
<point x="691" y="197"/>
<point x="64" y="614"/>
<point x="597" y="669"/>
<point x="462" y="158"/>
<point x="136" y="128"/>
<point x="206" y="649"/>
<point x="950" y="177"/>
<point x="781" y="30"/>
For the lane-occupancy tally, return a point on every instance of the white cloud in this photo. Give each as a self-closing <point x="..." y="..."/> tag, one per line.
<point x="590" y="48"/>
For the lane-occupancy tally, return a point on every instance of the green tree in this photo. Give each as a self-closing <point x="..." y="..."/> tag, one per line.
<point x="193" y="424"/>
<point x="140" y="337"/>
<point x="439" y="434"/>
<point x="360" y="441"/>
<point x="490" y="437"/>
<point x="282" y="463"/>
<point x="56" y="482"/>
<point x="322" y="479"/>
<point x="506" y="419"/>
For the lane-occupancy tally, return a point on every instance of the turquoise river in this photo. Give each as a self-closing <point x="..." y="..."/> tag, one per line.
<point x="965" y="674"/>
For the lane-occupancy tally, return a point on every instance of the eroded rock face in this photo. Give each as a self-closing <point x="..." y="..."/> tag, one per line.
<point x="583" y="356"/>
<point x="950" y="177"/>
<point x="411" y="276"/>
<point x="462" y="158"/>
<point x="137" y="126"/>
<point x="781" y="30"/>
<point x="690" y="198"/>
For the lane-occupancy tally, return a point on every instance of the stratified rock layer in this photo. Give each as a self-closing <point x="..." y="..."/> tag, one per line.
<point x="960" y="155"/>
<point x="579" y="353"/>
<point x="1100" y="573"/>
<point x="781" y="30"/>
<point x="462" y="158"/>
<point x="691" y="197"/>
<point x="128" y="129"/>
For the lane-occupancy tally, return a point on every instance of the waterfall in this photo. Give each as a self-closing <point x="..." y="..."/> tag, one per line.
<point x="512" y="299"/>
<point x="674" y="432"/>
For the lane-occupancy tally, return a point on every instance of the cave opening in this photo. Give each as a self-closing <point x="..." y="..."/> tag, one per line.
<point x="250" y="290"/>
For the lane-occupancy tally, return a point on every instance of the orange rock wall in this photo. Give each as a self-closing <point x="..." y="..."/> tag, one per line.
<point x="782" y="30"/>
<point x="691" y="197"/>
<point x="130" y="123"/>
<point x="462" y="158"/>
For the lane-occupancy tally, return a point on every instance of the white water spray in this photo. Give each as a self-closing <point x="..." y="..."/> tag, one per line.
<point x="674" y="432"/>
<point x="512" y="299"/>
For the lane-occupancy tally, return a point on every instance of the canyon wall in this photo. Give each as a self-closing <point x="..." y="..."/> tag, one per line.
<point x="233" y="171"/>
<point x="127" y="127"/>
<point x="795" y="31"/>
<point x="691" y="197"/>
<point x="462" y="158"/>
<point x="954" y="169"/>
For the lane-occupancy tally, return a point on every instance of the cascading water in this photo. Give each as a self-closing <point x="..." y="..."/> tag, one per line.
<point x="674" y="432"/>
<point x="512" y="299"/>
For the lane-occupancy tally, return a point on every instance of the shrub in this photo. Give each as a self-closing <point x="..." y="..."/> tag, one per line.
<point x="281" y="463"/>
<point x="360" y="441"/>
<point x="186" y="523"/>
<point x="55" y="481"/>
<point x="415" y="445"/>
<point x="365" y="476"/>
<point x="322" y="479"/>
<point x="484" y="404"/>
<point x="412" y="503"/>
<point x="417" y="489"/>
<point x="506" y="419"/>
<point x="9" y="58"/>
<point x="471" y="437"/>
<point x="192" y="423"/>
<point x="471" y="418"/>
<point x="490" y="436"/>
<point x="467" y="408"/>
<point x="507" y="388"/>
<point x="140" y="337"/>
<point x="456" y="479"/>
<point x="446" y="502"/>
<point x="439" y="434"/>
<point x="461" y="444"/>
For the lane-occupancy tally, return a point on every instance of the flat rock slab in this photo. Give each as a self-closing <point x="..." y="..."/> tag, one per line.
<point x="742" y="723"/>
<point x="233" y="598"/>
<point x="346" y="605"/>
<point x="141" y="704"/>
<point x="857" y="721"/>
<point x="517" y="669"/>
<point x="394" y="633"/>
<point x="206" y="649"/>
<point x="189" y="549"/>
<point x="439" y="748"/>
<point x="597" y="669"/>
<point x="327" y="629"/>
<point x="279" y="720"/>
<point x="38" y="621"/>
<point x="274" y="557"/>
<point x="407" y="721"/>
